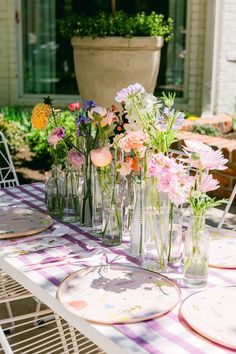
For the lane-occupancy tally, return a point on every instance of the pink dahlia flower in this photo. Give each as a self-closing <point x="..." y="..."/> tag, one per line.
<point x="208" y="183"/>
<point x="56" y="135"/>
<point x="75" y="158"/>
<point x="203" y="156"/>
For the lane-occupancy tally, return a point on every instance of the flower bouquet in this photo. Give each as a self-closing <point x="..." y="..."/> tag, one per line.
<point x="131" y="177"/>
<point x="85" y="140"/>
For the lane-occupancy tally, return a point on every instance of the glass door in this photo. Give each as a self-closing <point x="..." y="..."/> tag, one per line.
<point x="48" y="57"/>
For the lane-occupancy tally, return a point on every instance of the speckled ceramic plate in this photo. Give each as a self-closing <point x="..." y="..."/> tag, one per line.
<point x="118" y="294"/>
<point x="212" y="314"/>
<point x="222" y="252"/>
<point x="17" y="222"/>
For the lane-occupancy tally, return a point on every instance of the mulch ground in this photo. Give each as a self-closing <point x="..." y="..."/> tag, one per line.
<point x="28" y="169"/>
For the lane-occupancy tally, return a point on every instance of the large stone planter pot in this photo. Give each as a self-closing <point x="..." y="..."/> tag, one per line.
<point x="105" y="65"/>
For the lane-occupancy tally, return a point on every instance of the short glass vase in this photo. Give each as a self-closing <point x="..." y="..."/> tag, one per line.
<point x="71" y="195"/>
<point x="155" y="240"/>
<point x="53" y="192"/>
<point x="195" y="253"/>
<point x="112" y="217"/>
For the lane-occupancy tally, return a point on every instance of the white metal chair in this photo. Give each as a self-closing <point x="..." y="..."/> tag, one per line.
<point x="227" y="208"/>
<point x="53" y="336"/>
<point x="8" y="177"/>
<point x="10" y="290"/>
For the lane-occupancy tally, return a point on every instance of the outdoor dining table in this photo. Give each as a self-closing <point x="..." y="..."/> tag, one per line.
<point x="166" y="334"/>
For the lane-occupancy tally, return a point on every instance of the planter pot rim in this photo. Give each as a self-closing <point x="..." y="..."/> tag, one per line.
<point x="118" y="42"/>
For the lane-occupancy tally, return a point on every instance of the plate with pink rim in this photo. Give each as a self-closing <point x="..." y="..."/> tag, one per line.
<point x="18" y="222"/>
<point x="111" y="294"/>
<point x="222" y="253"/>
<point x="211" y="313"/>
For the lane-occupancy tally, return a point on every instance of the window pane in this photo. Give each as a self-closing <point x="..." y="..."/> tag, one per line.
<point x="48" y="57"/>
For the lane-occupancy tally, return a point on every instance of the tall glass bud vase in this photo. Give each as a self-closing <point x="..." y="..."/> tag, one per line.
<point x="53" y="192"/>
<point x="175" y="234"/>
<point x="195" y="255"/>
<point x="128" y="207"/>
<point x="72" y="196"/>
<point x="137" y="221"/>
<point x="98" y="191"/>
<point x="87" y="199"/>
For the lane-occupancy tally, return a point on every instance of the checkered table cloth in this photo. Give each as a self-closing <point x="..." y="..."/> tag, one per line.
<point x="168" y="334"/>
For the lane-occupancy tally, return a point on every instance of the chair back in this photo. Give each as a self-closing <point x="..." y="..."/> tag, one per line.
<point x="8" y="177"/>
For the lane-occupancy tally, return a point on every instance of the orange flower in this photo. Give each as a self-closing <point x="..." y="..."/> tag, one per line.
<point x="41" y="113"/>
<point x="133" y="163"/>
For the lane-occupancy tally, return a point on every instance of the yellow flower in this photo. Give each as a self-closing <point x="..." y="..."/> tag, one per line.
<point x="41" y="113"/>
<point x="193" y="118"/>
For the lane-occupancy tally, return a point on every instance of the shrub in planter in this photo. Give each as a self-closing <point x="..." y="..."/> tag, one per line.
<point x="110" y="52"/>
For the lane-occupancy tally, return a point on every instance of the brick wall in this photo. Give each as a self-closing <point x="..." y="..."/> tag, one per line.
<point x="195" y="53"/>
<point x="8" y="57"/>
<point x="4" y="50"/>
<point x="226" y="69"/>
<point x="227" y="178"/>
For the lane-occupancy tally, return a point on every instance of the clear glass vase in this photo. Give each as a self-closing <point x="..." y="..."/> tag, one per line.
<point x="195" y="253"/>
<point x="112" y="216"/>
<point x="137" y="218"/>
<point x="128" y="207"/>
<point x="175" y="243"/>
<point x="155" y="239"/>
<point x="71" y="195"/>
<point x="87" y="196"/>
<point x="97" y="212"/>
<point x="54" y="192"/>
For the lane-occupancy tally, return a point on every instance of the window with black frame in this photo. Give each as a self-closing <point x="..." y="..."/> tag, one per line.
<point x="48" y="57"/>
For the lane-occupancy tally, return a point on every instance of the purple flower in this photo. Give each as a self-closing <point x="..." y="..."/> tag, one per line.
<point x="170" y="119"/>
<point x="179" y="119"/>
<point x="81" y="120"/>
<point x="129" y="92"/>
<point x="89" y="105"/>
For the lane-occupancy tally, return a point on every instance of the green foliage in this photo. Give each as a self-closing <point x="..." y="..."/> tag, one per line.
<point x="18" y="115"/>
<point x="13" y="135"/>
<point x="16" y="126"/>
<point x="37" y="139"/>
<point x="123" y="25"/>
<point x="206" y="129"/>
<point x="37" y="142"/>
<point x="200" y="203"/>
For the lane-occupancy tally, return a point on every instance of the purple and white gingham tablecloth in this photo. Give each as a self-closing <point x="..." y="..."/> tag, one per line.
<point x="165" y="335"/>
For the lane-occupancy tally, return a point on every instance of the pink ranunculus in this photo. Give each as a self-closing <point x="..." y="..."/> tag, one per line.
<point x="202" y="155"/>
<point x="125" y="168"/>
<point x="208" y="183"/>
<point x="134" y="140"/>
<point x="107" y="120"/>
<point x="101" y="111"/>
<point x="74" y="106"/>
<point x="75" y="158"/>
<point x="56" y="135"/>
<point x="101" y="157"/>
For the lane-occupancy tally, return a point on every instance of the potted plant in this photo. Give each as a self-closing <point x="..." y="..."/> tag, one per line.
<point x="113" y="50"/>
